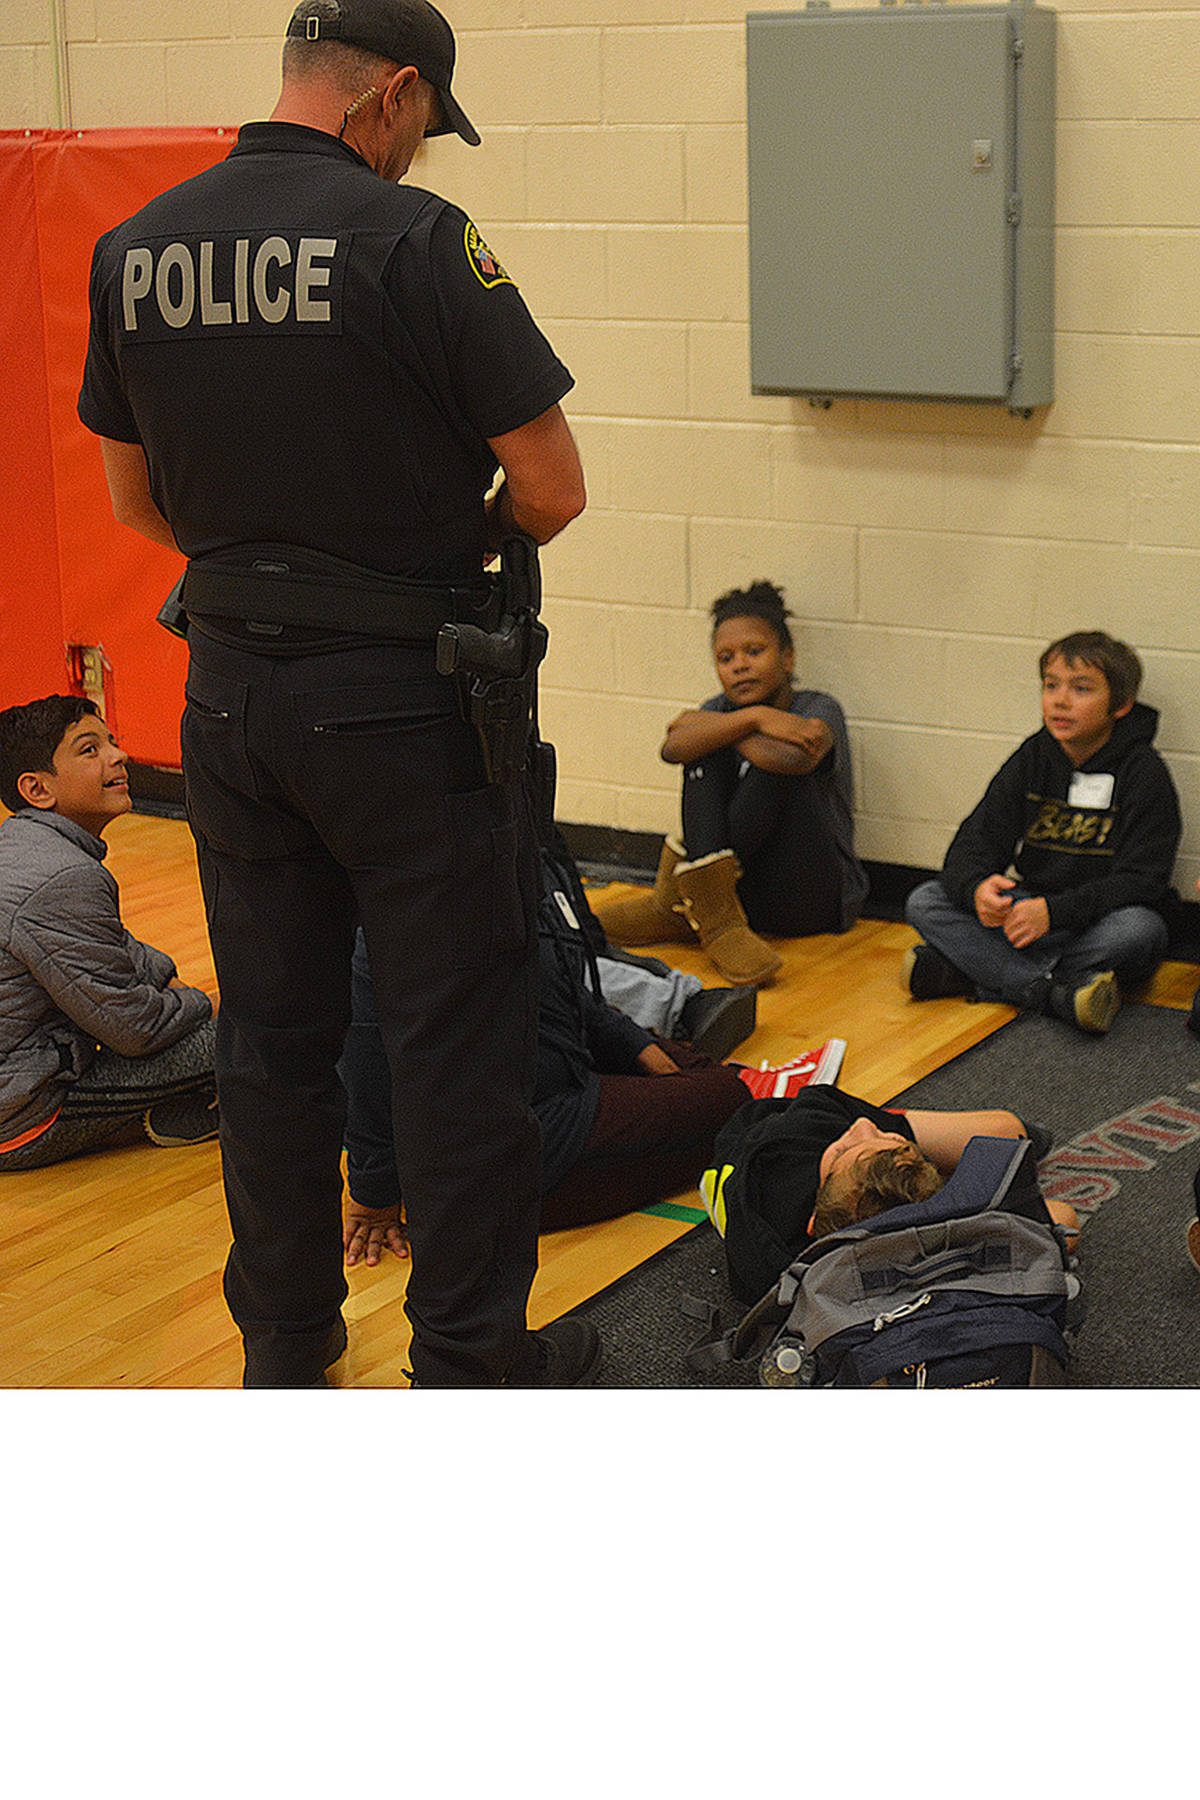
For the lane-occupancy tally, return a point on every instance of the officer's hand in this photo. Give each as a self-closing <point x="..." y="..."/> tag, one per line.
<point x="370" y="1230"/>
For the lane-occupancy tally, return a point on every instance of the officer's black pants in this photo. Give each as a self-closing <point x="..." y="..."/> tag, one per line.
<point x="323" y="790"/>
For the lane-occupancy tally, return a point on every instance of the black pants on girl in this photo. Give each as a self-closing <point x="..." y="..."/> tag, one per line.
<point x="779" y="830"/>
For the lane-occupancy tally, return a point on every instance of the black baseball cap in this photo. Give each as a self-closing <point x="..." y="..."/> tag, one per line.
<point x="405" y="31"/>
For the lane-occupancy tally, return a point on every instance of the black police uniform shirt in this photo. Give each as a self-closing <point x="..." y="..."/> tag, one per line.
<point x="312" y="356"/>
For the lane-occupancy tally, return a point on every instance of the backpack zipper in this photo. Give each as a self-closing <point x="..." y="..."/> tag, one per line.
<point x="901" y="1312"/>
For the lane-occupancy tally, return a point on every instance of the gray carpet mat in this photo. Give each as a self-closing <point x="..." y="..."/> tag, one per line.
<point x="1124" y="1111"/>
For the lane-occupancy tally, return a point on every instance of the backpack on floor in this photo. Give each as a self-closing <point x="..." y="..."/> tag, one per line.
<point x="971" y="1288"/>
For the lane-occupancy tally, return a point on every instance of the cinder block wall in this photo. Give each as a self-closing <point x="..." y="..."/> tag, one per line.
<point x="928" y="550"/>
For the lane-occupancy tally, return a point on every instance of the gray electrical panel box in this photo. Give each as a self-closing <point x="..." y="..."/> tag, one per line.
<point x="901" y="179"/>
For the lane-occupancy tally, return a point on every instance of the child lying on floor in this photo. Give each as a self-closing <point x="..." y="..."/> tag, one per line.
<point x="867" y="1170"/>
<point x="782" y="1175"/>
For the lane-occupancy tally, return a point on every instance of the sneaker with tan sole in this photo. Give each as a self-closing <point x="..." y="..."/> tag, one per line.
<point x="1092" y="1006"/>
<point x="183" y="1119"/>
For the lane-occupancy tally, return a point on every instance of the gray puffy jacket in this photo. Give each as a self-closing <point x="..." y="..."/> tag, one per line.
<point x="71" y="976"/>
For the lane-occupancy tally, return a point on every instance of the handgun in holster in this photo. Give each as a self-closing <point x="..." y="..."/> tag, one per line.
<point x="496" y="673"/>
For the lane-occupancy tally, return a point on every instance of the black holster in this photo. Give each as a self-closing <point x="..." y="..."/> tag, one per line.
<point x="496" y="675"/>
<point x="171" y="614"/>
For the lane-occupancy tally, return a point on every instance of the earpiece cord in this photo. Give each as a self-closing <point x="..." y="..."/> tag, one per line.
<point x="352" y="109"/>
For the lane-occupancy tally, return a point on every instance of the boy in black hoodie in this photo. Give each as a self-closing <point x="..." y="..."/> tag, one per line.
<point x="1086" y="813"/>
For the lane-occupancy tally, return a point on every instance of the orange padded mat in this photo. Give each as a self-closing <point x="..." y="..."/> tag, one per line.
<point x="71" y="574"/>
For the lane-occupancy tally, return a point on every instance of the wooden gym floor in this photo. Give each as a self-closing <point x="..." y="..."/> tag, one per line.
<point x="110" y="1266"/>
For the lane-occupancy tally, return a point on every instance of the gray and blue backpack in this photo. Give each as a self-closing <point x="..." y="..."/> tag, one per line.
<point x="972" y="1288"/>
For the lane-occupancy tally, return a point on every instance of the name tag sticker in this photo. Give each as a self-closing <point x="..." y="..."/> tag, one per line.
<point x="1090" y="790"/>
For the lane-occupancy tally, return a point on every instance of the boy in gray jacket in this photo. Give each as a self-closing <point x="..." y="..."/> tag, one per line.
<point x="99" y="1043"/>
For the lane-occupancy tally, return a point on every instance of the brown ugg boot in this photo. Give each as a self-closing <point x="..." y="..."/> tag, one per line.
<point x="653" y="916"/>
<point x="708" y="889"/>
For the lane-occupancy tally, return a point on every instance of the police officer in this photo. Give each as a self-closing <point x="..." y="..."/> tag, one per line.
<point x="308" y="378"/>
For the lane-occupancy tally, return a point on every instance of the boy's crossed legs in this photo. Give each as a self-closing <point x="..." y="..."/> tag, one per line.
<point x="129" y="1098"/>
<point x="1128" y="943"/>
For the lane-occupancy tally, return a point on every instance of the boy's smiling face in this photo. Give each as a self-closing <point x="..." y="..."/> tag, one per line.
<point x="88" y="783"/>
<point x="1076" y="706"/>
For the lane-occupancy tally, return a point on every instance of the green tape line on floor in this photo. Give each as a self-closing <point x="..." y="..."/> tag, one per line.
<point x="667" y="1209"/>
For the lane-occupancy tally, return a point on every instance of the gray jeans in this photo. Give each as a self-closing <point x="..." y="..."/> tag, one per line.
<point x="1130" y="941"/>
<point x="110" y="1100"/>
<point x="653" y="1001"/>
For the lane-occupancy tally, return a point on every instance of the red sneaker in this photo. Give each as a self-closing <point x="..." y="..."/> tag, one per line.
<point x="811" y="1068"/>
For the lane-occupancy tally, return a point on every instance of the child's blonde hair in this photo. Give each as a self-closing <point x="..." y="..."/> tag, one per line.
<point x="899" y="1176"/>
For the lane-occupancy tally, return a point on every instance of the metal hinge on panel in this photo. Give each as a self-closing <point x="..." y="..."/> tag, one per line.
<point x="1016" y="368"/>
<point x="1018" y="49"/>
<point x="1013" y="212"/>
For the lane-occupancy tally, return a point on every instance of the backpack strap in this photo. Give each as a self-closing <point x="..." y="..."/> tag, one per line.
<point x="744" y="1342"/>
<point x="715" y="1348"/>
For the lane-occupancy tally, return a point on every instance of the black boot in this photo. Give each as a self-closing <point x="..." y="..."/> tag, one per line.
<point x="1041" y="1137"/>
<point x="273" y="1369"/>
<point x="716" y="1020"/>
<point x="928" y="975"/>
<point x="563" y="1354"/>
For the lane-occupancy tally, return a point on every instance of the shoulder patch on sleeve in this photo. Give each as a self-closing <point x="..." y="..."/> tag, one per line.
<point x="486" y="266"/>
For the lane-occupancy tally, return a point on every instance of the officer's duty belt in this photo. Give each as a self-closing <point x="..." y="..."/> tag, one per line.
<point x="376" y="606"/>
